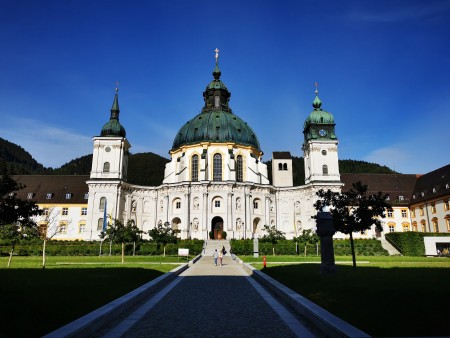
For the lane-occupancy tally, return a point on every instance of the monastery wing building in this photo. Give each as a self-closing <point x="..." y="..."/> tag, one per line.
<point x="216" y="180"/>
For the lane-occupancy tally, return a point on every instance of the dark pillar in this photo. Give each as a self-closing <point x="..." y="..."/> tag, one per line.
<point x="325" y="230"/>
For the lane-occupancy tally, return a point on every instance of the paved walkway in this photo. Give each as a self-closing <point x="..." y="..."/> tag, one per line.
<point x="211" y="301"/>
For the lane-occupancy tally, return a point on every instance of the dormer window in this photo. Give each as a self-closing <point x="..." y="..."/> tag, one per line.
<point x="68" y="196"/>
<point x="12" y="194"/>
<point x="447" y="186"/>
<point x="30" y="195"/>
<point x="414" y="197"/>
<point x="86" y="195"/>
<point x="49" y="196"/>
<point x="422" y="194"/>
<point x="434" y="190"/>
<point x="400" y="198"/>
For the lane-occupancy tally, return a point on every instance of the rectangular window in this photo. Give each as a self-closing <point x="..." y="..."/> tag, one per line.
<point x="390" y="213"/>
<point x="45" y="211"/>
<point x="404" y="213"/>
<point x="65" y="211"/>
<point x="217" y="204"/>
<point x="446" y="206"/>
<point x="405" y="227"/>
<point x="255" y="204"/>
<point x="413" y="212"/>
<point x="448" y="224"/>
<point x="391" y="228"/>
<point x="68" y="196"/>
<point x="49" y="196"/>
<point x="421" y="210"/>
<point x="63" y="228"/>
<point x="82" y="228"/>
<point x="178" y="205"/>
<point x="83" y="211"/>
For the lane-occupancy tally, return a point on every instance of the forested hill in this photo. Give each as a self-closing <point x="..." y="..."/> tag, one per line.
<point x="147" y="168"/>
<point x="16" y="160"/>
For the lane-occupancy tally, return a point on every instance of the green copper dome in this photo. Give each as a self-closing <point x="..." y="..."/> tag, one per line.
<point x="113" y="128"/>
<point x="320" y="123"/>
<point x="216" y="122"/>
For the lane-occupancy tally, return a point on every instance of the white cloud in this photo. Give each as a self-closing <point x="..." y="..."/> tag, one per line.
<point x="49" y="145"/>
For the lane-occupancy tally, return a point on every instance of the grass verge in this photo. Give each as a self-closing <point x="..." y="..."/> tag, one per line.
<point x="37" y="301"/>
<point x="387" y="296"/>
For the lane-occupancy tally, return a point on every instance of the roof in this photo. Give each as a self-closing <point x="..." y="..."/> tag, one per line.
<point x="398" y="186"/>
<point x="216" y="123"/>
<point x="281" y="155"/>
<point x="113" y="128"/>
<point x="432" y="185"/>
<point x="56" y="185"/>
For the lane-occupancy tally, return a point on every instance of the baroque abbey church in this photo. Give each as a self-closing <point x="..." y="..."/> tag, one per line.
<point x="216" y="180"/>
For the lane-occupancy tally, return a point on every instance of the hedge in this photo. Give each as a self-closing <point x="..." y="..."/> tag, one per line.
<point x="411" y="243"/>
<point x="363" y="247"/>
<point x="81" y="248"/>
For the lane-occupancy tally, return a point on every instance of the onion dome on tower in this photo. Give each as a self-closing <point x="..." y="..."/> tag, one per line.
<point x="113" y="128"/>
<point x="320" y="124"/>
<point x="216" y="123"/>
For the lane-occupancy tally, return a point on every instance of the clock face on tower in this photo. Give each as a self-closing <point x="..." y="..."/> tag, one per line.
<point x="322" y="132"/>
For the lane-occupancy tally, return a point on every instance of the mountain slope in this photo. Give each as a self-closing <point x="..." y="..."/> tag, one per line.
<point x="16" y="160"/>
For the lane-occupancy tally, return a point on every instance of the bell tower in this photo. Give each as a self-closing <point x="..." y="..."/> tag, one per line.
<point x="110" y="155"/>
<point x="320" y="146"/>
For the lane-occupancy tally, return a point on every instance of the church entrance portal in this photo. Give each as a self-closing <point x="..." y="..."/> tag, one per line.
<point x="217" y="227"/>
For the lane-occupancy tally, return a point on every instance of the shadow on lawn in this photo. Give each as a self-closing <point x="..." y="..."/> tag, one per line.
<point x="37" y="301"/>
<point x="379" y="301"/>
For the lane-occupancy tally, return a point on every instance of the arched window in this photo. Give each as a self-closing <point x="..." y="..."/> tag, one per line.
<point x="423" y="223"/>
<point x="239" y="169"/>
<point x="435" y="223"/>
<point x="285" y="166"/>
<point x="100" y="224"/>
<point x="280" y="166"/>
<point x="106" y="166"/>
<point x="217" y="167"/>
<point x="102" y="204"/>
<point x="194" y="168"/>
<point x="325" y="170"/>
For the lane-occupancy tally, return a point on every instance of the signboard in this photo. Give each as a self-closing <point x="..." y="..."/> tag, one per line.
<point x="183" y="252"/>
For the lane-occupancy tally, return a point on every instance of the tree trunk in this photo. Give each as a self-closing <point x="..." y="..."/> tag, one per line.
<point x="164" y="251"/>
<point x="10" y="256"/>
<point x="100" y="253"/>
<point x="134" y="248"/>
<point x="123" y="251"/>
<point x="273" y="250"/>
<point x="110" y="247"/>
<point x="353" y="251"/>
<point x="43" y="253"/>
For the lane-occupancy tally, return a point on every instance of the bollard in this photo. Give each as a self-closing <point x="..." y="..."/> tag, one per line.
<point x="264" y="262"/>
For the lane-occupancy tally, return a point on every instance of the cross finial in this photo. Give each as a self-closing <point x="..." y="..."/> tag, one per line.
<point x="217" y="54"/>
<point x="317" y="88"/>
<point x="117" y="86"/>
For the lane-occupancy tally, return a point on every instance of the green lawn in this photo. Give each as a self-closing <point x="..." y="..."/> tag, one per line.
<point x="385" y="296"/>
<point x="37" y="301"/>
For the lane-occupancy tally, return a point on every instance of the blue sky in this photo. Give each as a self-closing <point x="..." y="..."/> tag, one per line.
<point x="382" y="66"/>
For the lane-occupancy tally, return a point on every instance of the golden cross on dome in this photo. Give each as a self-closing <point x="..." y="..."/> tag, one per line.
<point x="317" y="87"/>
<point x="117" y="86"/>
<point x="217" y="53"/>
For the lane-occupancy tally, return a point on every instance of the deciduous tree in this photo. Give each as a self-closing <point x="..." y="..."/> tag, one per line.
<point x="16" y="215"/>
<point x="354" y="210"/>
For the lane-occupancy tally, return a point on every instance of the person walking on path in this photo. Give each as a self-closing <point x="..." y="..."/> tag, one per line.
<point x="220" y="257"/>
<point x="215" y="255"/>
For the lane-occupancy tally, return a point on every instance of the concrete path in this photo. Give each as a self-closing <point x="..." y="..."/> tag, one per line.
<point x="210" y="301"/>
